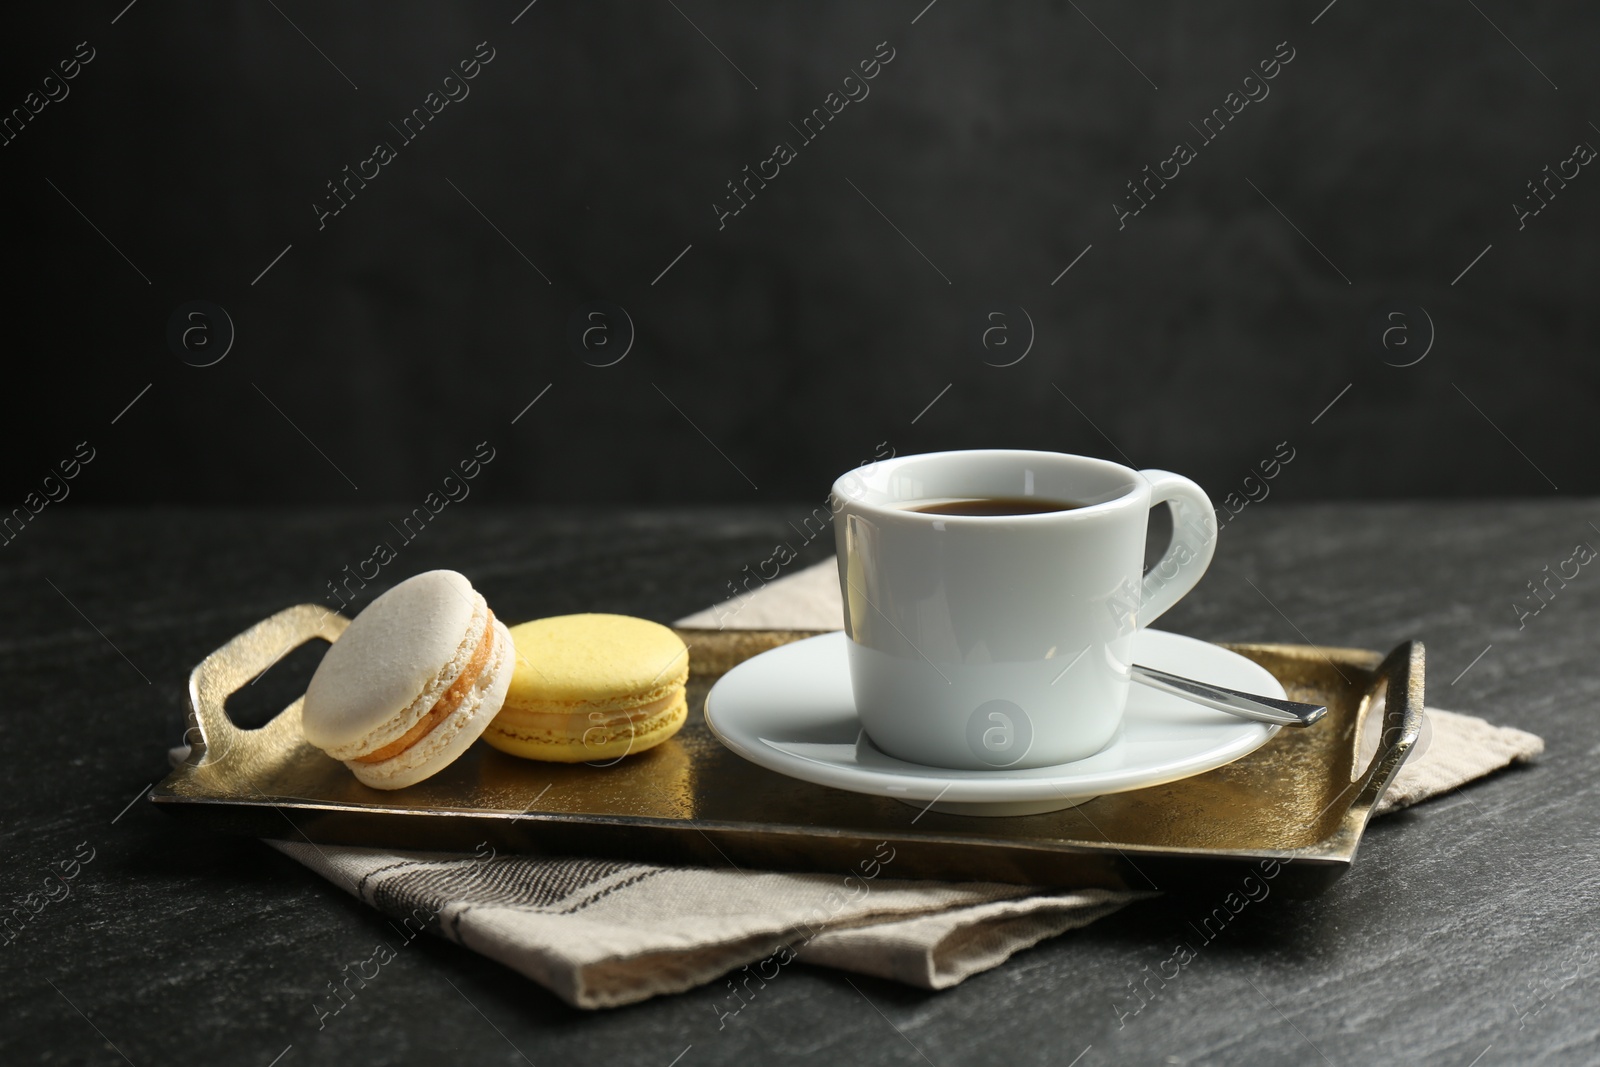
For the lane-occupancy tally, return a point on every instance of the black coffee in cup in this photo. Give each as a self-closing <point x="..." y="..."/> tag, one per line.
<point x="993" y="506"/>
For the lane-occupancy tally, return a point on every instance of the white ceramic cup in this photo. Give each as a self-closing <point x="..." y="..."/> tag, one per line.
<point x="1004" y="641"/>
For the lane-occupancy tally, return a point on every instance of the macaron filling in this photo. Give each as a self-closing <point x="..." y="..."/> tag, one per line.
<point x="526" y="724"/>
<point x="635" y="725"/>
<point x="448" y="703"/>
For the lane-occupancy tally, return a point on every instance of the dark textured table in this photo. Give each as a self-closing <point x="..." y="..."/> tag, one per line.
<point x="1468" y="931"/>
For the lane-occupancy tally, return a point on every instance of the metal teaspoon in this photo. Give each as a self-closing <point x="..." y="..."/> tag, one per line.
<point x="1232" y="701"/>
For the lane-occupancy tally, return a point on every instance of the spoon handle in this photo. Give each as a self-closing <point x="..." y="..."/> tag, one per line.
<point x="1232" y="701"/>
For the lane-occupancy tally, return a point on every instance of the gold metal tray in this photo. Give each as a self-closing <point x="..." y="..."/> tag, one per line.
<point x="1302" y="799"/>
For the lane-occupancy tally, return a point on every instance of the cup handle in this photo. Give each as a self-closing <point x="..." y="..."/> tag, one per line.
<point x="1194" y="542"/>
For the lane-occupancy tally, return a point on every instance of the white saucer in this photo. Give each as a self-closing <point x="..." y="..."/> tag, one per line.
<point x="791" y="710"/>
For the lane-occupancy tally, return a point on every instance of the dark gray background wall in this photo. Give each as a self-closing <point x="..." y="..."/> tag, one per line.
<point x="852" y="292"/>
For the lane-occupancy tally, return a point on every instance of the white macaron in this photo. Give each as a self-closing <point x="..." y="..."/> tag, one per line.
<point x="411" y="683"/>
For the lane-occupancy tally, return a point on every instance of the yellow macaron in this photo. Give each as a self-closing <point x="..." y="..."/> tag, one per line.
<point x="591" y="688"/>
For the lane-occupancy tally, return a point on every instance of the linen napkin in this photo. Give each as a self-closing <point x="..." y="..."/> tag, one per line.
<point x="601" y="933"/>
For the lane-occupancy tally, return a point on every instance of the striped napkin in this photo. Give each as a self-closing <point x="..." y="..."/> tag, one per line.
<point x="601" y="933"/>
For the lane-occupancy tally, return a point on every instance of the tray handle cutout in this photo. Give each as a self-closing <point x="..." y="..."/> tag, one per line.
<point x="212" y="735"/>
